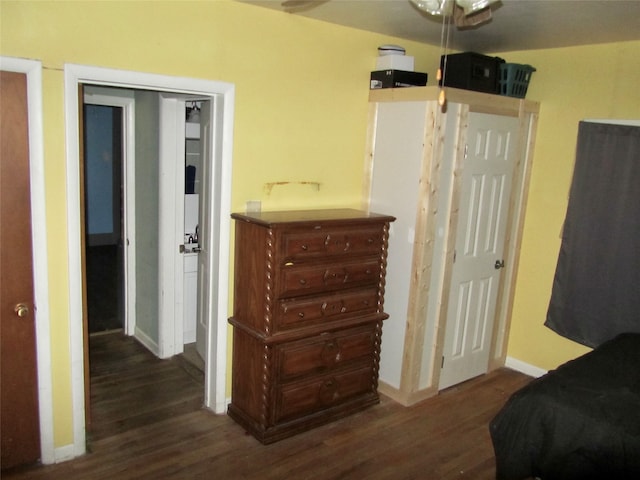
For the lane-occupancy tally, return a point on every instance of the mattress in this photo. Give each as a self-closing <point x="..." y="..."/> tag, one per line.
<point x="580" y="421"/>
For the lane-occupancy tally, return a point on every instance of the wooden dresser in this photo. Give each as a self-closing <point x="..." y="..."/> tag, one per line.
<point x="307" y="317"/>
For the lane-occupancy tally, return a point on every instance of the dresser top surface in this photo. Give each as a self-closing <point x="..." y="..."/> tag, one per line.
<point x="337" y="215"/>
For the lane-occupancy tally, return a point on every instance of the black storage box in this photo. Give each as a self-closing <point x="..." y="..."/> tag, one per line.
<point x="397" y="78"/>
<point x="472" y="71"/>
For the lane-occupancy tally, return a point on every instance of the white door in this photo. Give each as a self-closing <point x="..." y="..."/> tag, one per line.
<point x="475" y="280"/>
<point x="211" y="328"/>
<point x="171" y="226"/>
<point x="206" y="225"/>
<point x="213" y="234"/>
<point x="174" y="295"/>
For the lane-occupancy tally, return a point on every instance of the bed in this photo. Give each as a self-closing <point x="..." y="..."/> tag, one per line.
<point x="580" y="421"/>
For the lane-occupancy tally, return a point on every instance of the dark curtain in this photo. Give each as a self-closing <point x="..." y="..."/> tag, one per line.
<point x="596" y="289"/>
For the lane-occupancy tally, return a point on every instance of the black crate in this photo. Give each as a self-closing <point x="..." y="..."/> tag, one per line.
<point x="397" y="78"/>
<point x="471" y="71"/>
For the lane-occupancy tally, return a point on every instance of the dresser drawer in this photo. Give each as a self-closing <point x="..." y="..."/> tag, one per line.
<point x="326" y="351"/>
<point x="306" y="397"/>
<point x="299" y="313"/>
<point x="332" y="241"/>
<point x="305" y="280"/>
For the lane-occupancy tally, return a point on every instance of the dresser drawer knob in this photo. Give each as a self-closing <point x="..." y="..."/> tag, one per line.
<point x="303" y="281"/>
<point x="301" y="314"/>
<point x="368" y="272"/>
<point x="305" y="247"/>
<point x="329" y="276"/>
<point x="343" y="309"/>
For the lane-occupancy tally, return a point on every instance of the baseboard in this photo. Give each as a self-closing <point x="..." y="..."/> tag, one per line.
<point x="403" y="398"/>
<point x="392" y="392"/>
<point x="221" y="409"/>
<point x="64" y="453"/>
<point x="147" y="341"/>
<point x="524" y="367"/>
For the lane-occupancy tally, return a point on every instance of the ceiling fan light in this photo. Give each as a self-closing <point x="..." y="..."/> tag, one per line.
<point x="435" y="7"/>
<point x="471" y="6"/>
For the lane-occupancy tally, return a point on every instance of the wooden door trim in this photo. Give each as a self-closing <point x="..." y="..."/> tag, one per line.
<point x="83" y="261"/>
<point x="513" y="241"/>
<point x="33" y="71"/>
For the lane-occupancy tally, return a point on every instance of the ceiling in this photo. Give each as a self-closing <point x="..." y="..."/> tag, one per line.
<point x="515" y="24"/>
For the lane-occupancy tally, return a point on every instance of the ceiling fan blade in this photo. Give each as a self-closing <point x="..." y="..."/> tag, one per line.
<point x="467" y="20"/>
<point x="472" y="6"/>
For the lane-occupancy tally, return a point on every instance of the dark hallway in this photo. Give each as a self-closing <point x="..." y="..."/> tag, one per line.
<point x="104" y="285"/>
<point x="103" y="147"/>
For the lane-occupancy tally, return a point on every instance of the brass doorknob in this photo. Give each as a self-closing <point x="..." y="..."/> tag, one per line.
<point x="21" y="310"/>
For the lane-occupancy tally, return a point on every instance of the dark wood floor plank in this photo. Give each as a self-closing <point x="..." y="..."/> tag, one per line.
<point x="150" y="424"/>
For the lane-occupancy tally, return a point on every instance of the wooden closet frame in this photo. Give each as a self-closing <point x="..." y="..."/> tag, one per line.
<point x="527" y="112"/>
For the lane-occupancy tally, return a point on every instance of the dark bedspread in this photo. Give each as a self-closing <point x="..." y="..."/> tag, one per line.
<point x="581" y="421"/>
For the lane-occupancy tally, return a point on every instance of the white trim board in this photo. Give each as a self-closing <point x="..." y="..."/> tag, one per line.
<point x="215" y="374"/>
<point x="33" y="71"/>
<point x="151" y="345"/>
<point x="524" y="367"/>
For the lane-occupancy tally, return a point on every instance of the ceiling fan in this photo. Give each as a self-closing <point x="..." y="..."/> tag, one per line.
<point x="465" y="13"/>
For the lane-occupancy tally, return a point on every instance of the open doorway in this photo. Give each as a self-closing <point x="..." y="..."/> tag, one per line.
<point x="145" y="155"/>
<point x="130" y="386"/>
<point x="130" y="138"/>
<point x="215" y="245"/>
<point x="103" y="212"/>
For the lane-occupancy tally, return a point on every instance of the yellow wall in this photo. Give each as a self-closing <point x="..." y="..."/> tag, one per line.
<point x="572" y="84"/>
<point x="300" y="113"/>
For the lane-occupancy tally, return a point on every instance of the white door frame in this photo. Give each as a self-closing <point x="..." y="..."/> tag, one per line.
<point x="33" y="71"/>
<point x="129" y="201"/>
<point x="215" y="379"/>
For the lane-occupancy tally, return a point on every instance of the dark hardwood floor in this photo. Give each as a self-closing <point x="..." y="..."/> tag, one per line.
<point x="148" y="424"/>
<point x="105" y="288"/>
<point x="131" y="387"/>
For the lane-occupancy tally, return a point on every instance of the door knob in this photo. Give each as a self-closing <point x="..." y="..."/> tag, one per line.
<point x="499" y="264"/>
<point x="21" y="310"/>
